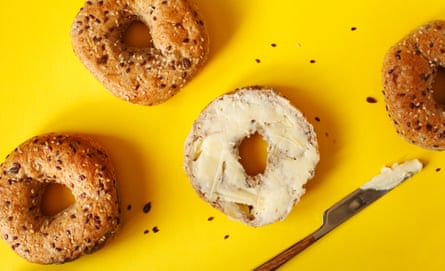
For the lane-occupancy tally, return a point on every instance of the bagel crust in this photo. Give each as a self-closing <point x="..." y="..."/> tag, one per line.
<point x="409" y="70"/>
<point x="212" y="160"/>
<point x="141" y="75"/>
<point x="76" y="162"/>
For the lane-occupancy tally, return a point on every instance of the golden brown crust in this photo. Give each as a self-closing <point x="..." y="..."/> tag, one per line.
<point x="409" y="70"/>
<point x="81" y="165"/>
<point x="145" y="76"/>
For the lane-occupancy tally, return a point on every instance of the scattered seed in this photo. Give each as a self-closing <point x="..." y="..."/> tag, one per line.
<point x="147" y="207"/>
<point x="371" y="100"/>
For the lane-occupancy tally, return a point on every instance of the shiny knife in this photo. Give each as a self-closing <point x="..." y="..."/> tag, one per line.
<point x="378" y="186"/>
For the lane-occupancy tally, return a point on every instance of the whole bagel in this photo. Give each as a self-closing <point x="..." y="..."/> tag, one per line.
<point x="143" y="75"/>
<point x="76" y="162"/>
<point x="212" y="160"/>
<point x="409" y="71"/>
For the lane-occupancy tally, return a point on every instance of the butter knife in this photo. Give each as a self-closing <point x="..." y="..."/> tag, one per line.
<point x="378" y="186"/>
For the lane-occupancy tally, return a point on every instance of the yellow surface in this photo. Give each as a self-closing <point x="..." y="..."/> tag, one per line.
<point x="44" y="87"/>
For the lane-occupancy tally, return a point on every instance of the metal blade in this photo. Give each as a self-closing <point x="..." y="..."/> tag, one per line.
<point x="367" y="194"/>
<point x="344" y="209"/>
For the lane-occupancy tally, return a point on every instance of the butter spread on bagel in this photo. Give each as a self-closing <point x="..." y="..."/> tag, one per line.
<point x="213" y="164"/>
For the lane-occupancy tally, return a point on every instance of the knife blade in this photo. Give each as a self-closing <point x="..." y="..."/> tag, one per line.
<point x="350" y="205"/>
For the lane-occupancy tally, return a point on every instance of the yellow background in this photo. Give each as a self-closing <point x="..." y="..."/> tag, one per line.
<point x="44" y="88"/>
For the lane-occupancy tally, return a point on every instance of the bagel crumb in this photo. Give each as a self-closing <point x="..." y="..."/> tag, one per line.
<point x="210" y="218"/>
<point x="129" y="207"/>
<point x="146" y="231"/>
<point x="438" y="169"/>
<point x="226" y="236"/>
<point x="155" y="229"/>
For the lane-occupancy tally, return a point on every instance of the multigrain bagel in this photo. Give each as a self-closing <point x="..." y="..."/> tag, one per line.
<point x="409" y="71"/>
<point x="143" y="75"/>
<point x="80" y="164"/>
<point x="212" y="160"/>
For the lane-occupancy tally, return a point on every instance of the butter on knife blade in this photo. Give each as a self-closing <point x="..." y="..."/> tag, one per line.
<point x="391" y="177"/>
<point x="378" y="186"/>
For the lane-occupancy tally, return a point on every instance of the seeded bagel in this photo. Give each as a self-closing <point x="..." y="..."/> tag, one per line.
<point x="144" y="75"/>
<point x="409" y="71"/>
<point x="76" y="162"/>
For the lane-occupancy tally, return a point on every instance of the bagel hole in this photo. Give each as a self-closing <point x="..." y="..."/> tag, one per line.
<point x="55" y="199"/>
<point x="253" y="154"/>
<point x="439" y="87"/>
<point x="137" y="35"/>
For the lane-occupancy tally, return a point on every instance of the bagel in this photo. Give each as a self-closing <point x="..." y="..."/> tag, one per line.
<point x="212" y="161"/>
<point x="409" y="71"/>
<point x="76" y="162"/>
<point x="145" y="75"/>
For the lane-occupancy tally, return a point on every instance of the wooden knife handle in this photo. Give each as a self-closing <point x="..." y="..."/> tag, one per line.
<point x="286" y="255"/>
